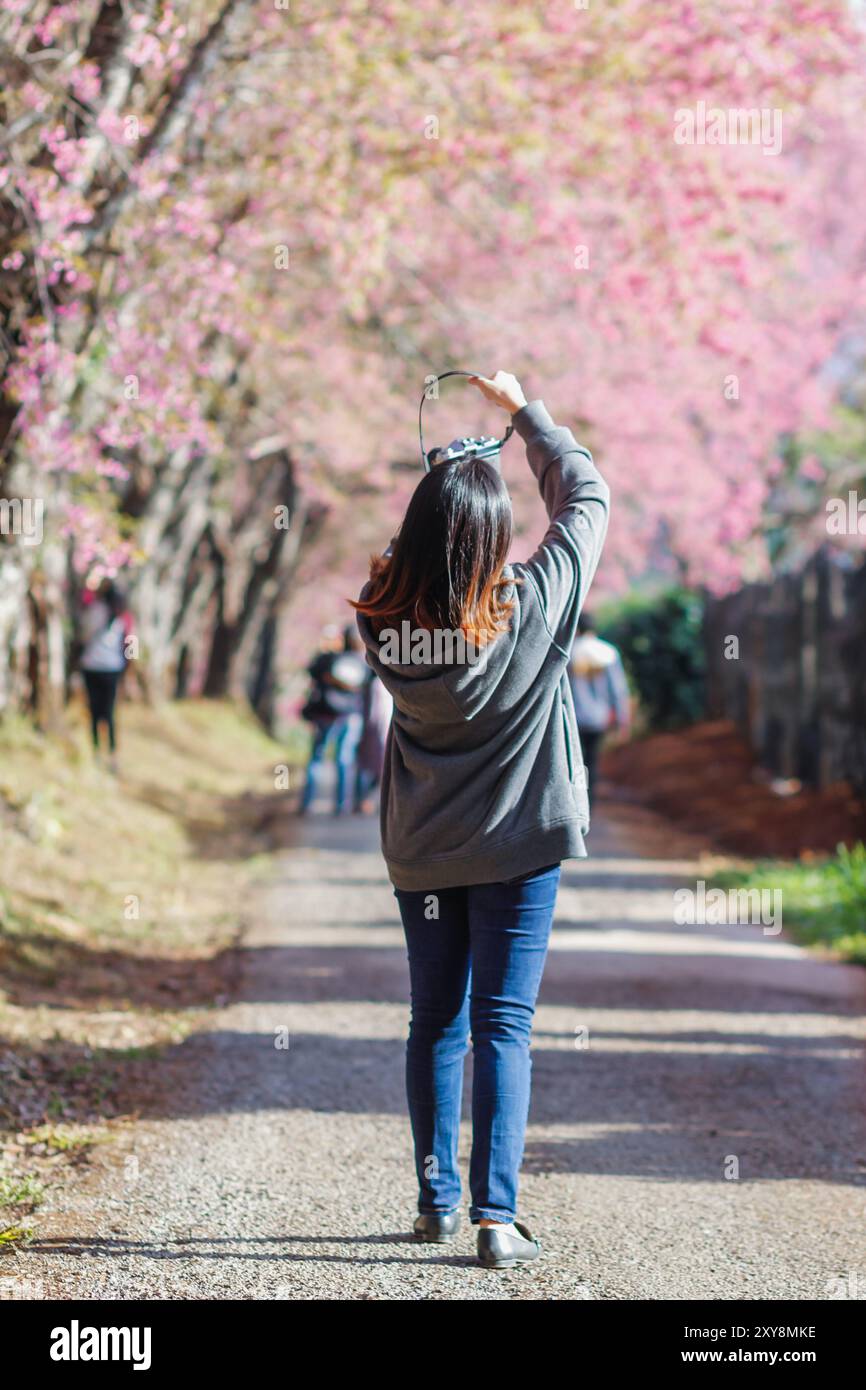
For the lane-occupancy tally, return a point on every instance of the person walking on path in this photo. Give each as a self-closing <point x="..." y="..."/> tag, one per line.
<point x="481" y="794"/>
<point x="335" y="710"/>
<point x="105" y="627"/>
<point x="600" y="693"/>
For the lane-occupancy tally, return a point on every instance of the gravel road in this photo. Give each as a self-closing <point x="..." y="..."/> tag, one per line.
<point x="284" y="1172"/>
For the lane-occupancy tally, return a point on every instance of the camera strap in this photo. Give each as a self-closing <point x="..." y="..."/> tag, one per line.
<point x="475" y="448"/>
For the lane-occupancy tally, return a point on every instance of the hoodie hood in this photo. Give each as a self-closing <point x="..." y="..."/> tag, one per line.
<point x="434" y="677"/>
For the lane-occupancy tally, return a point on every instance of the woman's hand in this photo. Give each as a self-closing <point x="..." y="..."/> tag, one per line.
<point x="504" y="390"/>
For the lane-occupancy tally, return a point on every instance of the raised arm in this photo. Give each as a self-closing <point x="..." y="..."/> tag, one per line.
<point x="577" y="500"/>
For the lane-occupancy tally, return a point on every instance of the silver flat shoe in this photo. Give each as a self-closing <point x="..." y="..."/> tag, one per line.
<point x="438" y="1228"/>
<point x="498" y="1249"/>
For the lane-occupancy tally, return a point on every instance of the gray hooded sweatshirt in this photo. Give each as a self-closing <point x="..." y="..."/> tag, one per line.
<point x="483" y="778"/>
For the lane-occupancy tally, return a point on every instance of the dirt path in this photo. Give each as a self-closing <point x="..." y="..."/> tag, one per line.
<point x="265" y="1172"/>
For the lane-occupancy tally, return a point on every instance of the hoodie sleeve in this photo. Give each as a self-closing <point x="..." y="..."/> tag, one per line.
<point x="577" y="500"/>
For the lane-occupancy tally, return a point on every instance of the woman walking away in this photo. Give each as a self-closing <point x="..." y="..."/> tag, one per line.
<point x="105" y="626"/>
<point x="482" y="794"/>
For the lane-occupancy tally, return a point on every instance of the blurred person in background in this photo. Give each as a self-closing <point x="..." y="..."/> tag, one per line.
<point x="316" y="710"/>
<point x="599" y="690"/>
<point x="105" y="626"/>
<point x="335" y="709"/>
<point x="377" y="711"/>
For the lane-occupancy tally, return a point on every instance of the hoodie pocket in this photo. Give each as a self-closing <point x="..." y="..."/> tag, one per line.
<point x="576" y="775"/>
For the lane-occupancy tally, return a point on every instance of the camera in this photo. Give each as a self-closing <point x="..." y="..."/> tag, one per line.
<point x="459" y="450"/>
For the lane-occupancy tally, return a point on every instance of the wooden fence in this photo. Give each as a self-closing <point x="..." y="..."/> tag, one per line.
<point x="797" y="685"/>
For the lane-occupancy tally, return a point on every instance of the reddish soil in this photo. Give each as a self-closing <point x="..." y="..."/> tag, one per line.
<point x="706" y="778"/>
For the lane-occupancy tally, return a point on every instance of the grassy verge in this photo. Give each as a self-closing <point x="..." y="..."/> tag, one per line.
<point x="823" y="900"/>
<point x="121" y="900"/>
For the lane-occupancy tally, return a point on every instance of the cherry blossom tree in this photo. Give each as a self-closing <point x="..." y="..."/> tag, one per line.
<point x="238" y="238"/>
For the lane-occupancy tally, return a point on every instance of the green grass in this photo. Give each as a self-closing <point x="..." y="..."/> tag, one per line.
<point x="20" y="1190"/>
<point x="12" y="1236"/>
<point x="823" y="901"/>
<point x="56" y="1139"/>
<point x="194" y="816"/>
<point x="75" y="843"/>
<point x="20" y="1194"/>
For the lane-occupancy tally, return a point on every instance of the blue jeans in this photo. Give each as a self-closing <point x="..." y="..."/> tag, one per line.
<point x="475" y="967"/>
<point x="343" y="735"/>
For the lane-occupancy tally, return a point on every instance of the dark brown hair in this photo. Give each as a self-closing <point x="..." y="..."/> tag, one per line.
<point x="445" y="570"/>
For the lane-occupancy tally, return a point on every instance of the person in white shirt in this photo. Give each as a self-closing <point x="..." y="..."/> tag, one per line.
<point x="105" y="627"/>
<point x="599" y="690"/>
